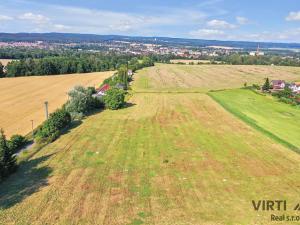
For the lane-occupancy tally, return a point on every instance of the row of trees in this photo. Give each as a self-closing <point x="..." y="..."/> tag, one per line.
<point x="237" y="59"/>
<point x="71" y="64"/>
<point x="122" y="77"/>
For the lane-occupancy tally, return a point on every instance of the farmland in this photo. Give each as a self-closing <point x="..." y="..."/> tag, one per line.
<point x="202" y="78"/>
<point x="187" y="61"/>
<point x="166" y="158"/>
<point x="4" y="62"/>
<point x="279" y="119"/>
<point x="22" y="99"/>
<point x="160" y="161"/>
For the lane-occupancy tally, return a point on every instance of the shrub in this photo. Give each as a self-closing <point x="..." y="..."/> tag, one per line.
<point x="51" y="129"/>
<point x="256" y="86"/>
<point x="114" y="99"/>
<point x="16" y="142"/>
<point x="82" y="101"/>
<point x="8" y="163"/>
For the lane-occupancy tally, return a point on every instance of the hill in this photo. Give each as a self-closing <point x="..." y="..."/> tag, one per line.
<point x="69" y="37"/>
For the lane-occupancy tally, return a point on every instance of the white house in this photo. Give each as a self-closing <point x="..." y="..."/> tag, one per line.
<point x="295" y="87"/>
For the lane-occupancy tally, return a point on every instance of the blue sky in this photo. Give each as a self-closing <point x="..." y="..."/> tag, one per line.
<point x="255" y="20"/>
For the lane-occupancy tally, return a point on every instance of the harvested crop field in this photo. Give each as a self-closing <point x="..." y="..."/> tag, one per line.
<point x="4" y="62"/>
<point x="188" y="61"/>
<point x="168" y="77"/>
<point x="22" y="99"/>
<point x="165" y="159"/>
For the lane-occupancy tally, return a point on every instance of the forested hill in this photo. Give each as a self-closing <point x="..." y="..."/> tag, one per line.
<point x="68" y="37"/>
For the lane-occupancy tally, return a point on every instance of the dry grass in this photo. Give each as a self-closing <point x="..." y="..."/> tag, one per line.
<point x="165" y="77"/>
<point x="22" y="99"/>
<point x="168" y="159"/>
<point x="187" y="61"/>
<point x="4" y="62"/>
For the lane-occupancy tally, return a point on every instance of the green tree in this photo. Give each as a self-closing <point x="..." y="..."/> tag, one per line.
<point x="81" y="100"/>
<point x="266" y="86"/>
<point x="16" y="142"/>
<point x="7" y="159"/>
<point x="1" y="70"/>
<point x="51" y="128"/>
<point x="114" y="99"/>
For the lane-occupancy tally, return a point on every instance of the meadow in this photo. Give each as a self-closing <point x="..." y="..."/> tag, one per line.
<point x="201" y="78"/>
<point x="22" y="99"/>
<point x="166" y="159"/>
<point x="278" y="120"/>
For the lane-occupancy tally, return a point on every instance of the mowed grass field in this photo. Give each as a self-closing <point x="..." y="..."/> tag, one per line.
<point x="22" y="99"/>
<point x="168" y="77"/>
<point x="265" y="113"/>
<point x="166" y="159"/>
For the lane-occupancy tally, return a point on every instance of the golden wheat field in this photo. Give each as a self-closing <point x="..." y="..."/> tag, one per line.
<point x="4" y="62"/>
<point x="22" y="99"/>
<point x="166" y="77"/>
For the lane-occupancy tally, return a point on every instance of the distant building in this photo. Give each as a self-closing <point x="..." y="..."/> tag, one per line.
<point x="101" y="91"/>
<point x="295" y="87"/>
<point x="120" y="86"/>
<point x="257" y="52"/>
<point x="278" y="84"/>
<point x="130" y="73"/>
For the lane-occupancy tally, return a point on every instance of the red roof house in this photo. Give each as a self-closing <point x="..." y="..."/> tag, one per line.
<point x="103" y="89"/>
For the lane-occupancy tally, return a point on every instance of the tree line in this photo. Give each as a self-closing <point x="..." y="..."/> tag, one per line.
<point x="238" y="59"/>
<point x="69" y="64"/>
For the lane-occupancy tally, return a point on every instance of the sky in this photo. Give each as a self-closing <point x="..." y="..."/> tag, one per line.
<point x="248" y="20"/>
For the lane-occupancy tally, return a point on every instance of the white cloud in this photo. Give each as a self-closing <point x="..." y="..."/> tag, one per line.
<point x="5" y="18"/>
<point x="293" y="16"/>
<point x="34" y="18"/>
<point x="220" y="24"/>
<point x="242" y="20"/>
<point x="61" y="27"/>
<point x="207" y="33"/>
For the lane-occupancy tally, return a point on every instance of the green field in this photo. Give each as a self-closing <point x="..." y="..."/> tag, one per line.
<point x="278" y="120"/>
<point x="167" y="158"/>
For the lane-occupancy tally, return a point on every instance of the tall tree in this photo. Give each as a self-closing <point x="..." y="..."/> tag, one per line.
<point x="267" y="85"/>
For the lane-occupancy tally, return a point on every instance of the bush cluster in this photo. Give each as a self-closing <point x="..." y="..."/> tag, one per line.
<point x="8" y="163"/>
<point x="16" y="142"/>
<point x="114" y="99"/>
<point x="52" y="128"/>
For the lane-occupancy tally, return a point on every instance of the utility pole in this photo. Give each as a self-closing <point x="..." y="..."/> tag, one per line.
<point x="46" y="110"/>
<point x="32" y="128"/>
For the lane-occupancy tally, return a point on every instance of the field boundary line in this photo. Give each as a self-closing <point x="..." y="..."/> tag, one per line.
<point x="249" y="121"/>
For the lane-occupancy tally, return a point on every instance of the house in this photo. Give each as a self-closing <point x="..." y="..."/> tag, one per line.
<point x="130" y="73"/>
<point x="295" y="87"/>
<point x="101" y="91"/>
<point x="278" y="84"/>
<point x="120" y="86"/>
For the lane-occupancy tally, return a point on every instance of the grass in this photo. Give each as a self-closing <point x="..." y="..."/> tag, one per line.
<point x="202" y="78"/>
<point x="166" y="159"/>
<point x="22" y="99"/>
<point x="173" y="156"/>
<point x="277" y="120"/>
